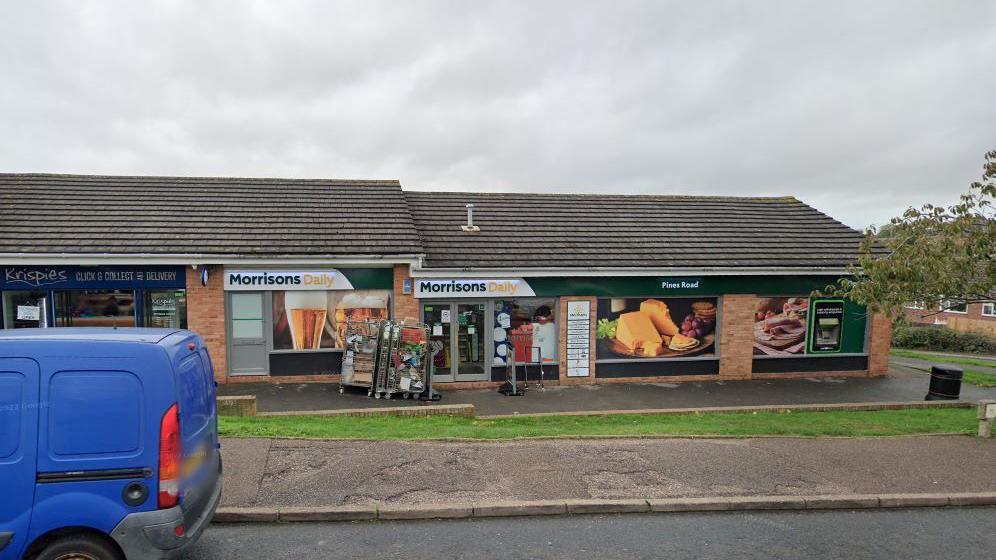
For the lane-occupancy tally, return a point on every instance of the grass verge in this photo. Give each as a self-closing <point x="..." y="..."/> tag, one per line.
<point x="806" y="424"/>
<point x="972" y="376"/>
<point x="981" y="362"/>
<point x="979" y="378"/>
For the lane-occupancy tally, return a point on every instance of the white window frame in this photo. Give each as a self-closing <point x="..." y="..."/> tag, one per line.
<point x="991" y="306"/>
<point x="946" y="303"/>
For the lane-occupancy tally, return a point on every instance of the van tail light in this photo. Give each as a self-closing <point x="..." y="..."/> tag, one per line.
<point x="169" y="459"/>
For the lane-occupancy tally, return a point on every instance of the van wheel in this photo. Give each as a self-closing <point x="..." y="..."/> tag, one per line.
<point x="79" y="547"/>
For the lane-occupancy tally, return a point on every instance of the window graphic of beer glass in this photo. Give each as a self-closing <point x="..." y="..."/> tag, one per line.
<point x="306" y="313"/>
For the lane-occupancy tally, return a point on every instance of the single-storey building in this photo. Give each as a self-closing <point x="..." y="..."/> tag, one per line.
<point x="585" y="288"/>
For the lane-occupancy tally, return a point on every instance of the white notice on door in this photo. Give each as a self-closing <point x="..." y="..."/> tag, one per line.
<point x="28" y="312"/>
<point x="578" y="338"/>
<point x="444" y="315"/>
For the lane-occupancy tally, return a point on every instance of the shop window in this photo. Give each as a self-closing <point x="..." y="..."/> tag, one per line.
<point x="165" y="309"/>
<point x="632" y="329"/>
<point x="529" y="326"/>
<point x="989" y="309"/>
<point x="315" y="320"/>
<point x="247" y="316"/>
<point x="95" y="308"/>
<point x="780" y="326"/>
<point x="24" y="309"/>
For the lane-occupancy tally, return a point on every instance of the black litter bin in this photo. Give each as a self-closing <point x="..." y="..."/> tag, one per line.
<point x="945" y="383"/>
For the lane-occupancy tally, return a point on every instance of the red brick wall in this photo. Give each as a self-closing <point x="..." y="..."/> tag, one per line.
<point x="206" y="315"/>
<point x="405" y="306"/>
<point x="879" y="342"/>
<point x="736" y="336"/>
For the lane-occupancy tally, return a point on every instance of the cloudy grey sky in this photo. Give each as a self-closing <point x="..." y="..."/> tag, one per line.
<point x="859" y="108"/>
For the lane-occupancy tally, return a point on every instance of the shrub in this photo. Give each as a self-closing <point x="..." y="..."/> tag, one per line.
<point x="942" y="339"/>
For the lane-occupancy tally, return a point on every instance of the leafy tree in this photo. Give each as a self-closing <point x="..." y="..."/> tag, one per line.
<point x="943" y="257"/>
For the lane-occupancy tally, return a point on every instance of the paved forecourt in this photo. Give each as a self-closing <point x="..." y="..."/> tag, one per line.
<point x="300" y="473"/>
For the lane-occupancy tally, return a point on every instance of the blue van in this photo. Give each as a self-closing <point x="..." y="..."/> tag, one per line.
<point x="108" y="443"/>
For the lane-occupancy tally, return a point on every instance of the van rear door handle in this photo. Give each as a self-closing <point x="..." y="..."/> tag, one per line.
<point x="90" y="476"/>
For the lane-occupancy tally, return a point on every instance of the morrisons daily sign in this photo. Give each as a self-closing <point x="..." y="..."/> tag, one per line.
<point x="471" y="288"/>
<point x="329" y="279"/>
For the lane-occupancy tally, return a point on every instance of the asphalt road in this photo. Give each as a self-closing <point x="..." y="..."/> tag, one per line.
<point x="855" y="535"/>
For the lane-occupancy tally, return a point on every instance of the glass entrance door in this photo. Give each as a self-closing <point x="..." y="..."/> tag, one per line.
<point x="439" y="317"/>
<point x="460" y="327"/>
<point x="165" y="309"/>
<point x="470" y="345"/>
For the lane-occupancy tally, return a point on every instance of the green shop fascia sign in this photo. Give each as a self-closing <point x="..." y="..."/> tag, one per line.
<point x="637" y="286"/>
<point x="369" y="278"/>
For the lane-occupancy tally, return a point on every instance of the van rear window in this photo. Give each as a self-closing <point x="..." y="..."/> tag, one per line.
<point x="195" y="395"/>
<point x="95" y="412"/>
<point x="11" y="395"/>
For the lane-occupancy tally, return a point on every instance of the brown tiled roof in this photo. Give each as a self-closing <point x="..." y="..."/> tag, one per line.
<point x="86" y="214"/>
<point x="41" y="213"/>
<point x="577" y="231"/>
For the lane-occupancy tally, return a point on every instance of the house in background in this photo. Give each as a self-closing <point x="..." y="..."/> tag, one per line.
<point x="973" y="317"/>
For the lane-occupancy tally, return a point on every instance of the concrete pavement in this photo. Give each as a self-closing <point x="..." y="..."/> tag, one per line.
<point x="856" y="535"/>
<point x="903" y="384"/>
<point x="329" y="473"/>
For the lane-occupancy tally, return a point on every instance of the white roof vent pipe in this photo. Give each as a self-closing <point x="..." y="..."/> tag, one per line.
<point x="469" y="226"/>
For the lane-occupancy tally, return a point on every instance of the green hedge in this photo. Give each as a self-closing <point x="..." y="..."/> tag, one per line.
<point x="941" y="339"/>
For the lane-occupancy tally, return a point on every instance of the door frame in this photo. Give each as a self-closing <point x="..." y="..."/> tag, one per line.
<point x="267" y="303"/>
<point x="488" y="346"/>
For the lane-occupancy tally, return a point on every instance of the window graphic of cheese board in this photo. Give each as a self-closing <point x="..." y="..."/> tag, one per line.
<point x="656" y="328"/>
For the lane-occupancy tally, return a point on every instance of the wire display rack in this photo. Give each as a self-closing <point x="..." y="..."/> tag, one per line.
<point x="359" y="363"/>
<point x="402" y="360"/>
